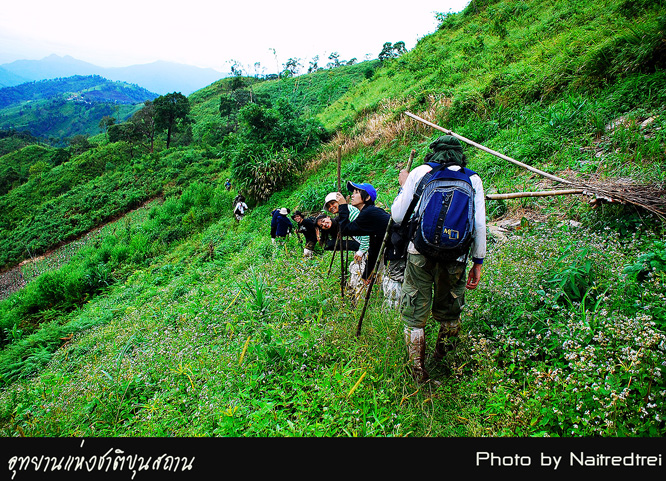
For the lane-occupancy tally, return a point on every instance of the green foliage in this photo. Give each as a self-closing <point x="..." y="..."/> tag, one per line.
<point x="15" y="167"/>
<point x="258" y="294"/>
<point x="12" y="140"/>
<point x="140" y="129"/>
<point x="390" y="51"/>
<point x="170" y="113"/>
<point x="260" y="173"/>
<point x="573" y="276"/>
<point x="279" y="127"/>
<point x="653" y="262"/>
<point x="100" y="265"/>
<point x="65" y="107"/>
<point x="573" y="367"/>
<point x="309" y="197"/>
<point x="269" y="148"/>
<point x="180" y="216"/>
<point x="85" y="192"/>
<point x="93" y="88"/>
<point x="232" y="102"/>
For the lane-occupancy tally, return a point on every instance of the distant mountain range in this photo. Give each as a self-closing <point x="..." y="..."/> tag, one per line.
<point x="89" y="89"/>
<point x="159" y="77"/>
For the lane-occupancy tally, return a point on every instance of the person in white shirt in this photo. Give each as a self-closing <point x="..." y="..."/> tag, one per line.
<point x="240" y="208"/>
<point x="357" y="267"/>
<point x="422" y="273"/>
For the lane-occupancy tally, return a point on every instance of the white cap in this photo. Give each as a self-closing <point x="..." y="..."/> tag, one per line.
<point x="330" y="197"/>
<point x="284" y="211"/>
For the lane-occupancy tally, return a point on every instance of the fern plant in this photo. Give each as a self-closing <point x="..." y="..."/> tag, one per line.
<point x="653" y="260"/>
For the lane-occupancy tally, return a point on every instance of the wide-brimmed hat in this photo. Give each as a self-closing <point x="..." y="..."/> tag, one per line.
<point x="366" y="187"/>
<point x="284" y="211"/>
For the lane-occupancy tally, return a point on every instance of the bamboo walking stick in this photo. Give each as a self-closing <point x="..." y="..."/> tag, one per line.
<point x="490" y="151"/>
<point x="335" y="248"/>
<point x="340" y="240"/>
<point x="337" y="238"/>
<point x="379" y="257"/>
<point x="339" y="166"/>
<point x="342" y="266"/>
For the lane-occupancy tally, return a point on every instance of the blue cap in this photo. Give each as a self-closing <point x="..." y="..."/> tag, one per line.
<point x="366" y="187"/>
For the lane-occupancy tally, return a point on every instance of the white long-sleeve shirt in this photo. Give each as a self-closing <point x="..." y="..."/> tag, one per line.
<point x="406" y="193"/>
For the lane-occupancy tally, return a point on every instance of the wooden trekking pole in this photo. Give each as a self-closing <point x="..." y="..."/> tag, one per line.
<point x="342" y="265"/>
<point x="379" y="257"/>
<point x="339" y="241"/>
<point x="337" y="238"/>
<point x="339" y="166"/>
<point x="490" y="151"/>
<point x="335" y="248"/>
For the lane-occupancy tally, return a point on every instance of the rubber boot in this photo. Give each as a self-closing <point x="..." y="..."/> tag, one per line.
<point x="416" y="347"/>
<point x="446" y="338"/>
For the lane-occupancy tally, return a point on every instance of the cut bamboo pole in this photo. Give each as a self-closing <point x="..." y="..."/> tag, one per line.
<point x="652" y="201"/>
<point x="490" y="151"/>
<point x="339" y="167"/>
<point x="337" y="239"/>
<point x="545" y="193"/>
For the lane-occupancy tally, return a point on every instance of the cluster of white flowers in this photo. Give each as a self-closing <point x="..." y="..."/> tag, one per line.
<point x="590" y="353"/>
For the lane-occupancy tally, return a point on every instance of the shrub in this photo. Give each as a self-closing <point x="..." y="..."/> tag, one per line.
<point x="260" y="172"/>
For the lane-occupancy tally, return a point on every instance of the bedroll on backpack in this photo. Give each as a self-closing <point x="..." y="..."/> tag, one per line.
<point x="444" y="219"/>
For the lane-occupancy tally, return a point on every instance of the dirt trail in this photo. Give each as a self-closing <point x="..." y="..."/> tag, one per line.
<point x="16" y="278"/>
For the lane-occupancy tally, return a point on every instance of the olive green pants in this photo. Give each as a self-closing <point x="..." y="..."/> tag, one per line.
<point x="429" y="283"/>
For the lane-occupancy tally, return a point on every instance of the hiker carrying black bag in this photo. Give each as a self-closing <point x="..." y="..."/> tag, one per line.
<point x="441" y="210"/>
<point x="307" y="227"/>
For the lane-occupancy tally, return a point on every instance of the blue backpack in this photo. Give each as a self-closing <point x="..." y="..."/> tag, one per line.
<point x="443" y="224"/>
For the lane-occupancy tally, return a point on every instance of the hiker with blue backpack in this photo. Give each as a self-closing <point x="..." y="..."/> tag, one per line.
<point x="440" y="209"/>
<point x="281" y="226"/>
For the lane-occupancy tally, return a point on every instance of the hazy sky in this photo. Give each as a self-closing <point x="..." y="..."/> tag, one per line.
<point x="211" y="33"/>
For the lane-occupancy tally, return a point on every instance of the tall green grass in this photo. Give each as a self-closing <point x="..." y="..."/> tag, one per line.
<point x="258" y="341"/>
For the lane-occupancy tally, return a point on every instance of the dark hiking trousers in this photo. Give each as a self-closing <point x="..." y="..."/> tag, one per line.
<point x="430" y="283"/>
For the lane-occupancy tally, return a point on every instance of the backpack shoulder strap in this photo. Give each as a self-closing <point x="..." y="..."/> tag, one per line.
<point x="436" y="167"/>
<point x="424" y="180"/>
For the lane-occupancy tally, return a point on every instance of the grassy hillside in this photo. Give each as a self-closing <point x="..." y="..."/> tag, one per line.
<point x="309" y="94"/>
<point x="181" y="322"/>
<point x="84" y="187"/>
<point x="97" y="186"/>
